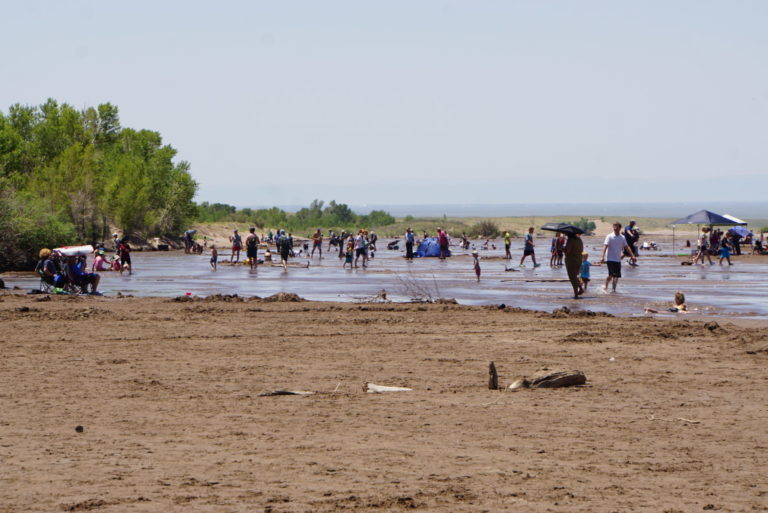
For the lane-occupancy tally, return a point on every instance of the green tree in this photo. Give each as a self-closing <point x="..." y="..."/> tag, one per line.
<point x="82" y="170"/>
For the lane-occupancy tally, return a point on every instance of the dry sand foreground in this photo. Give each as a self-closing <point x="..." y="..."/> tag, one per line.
<point x="167" y="393"/>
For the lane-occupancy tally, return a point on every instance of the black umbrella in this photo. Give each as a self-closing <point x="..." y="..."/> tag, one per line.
<point x="565" y="228"/>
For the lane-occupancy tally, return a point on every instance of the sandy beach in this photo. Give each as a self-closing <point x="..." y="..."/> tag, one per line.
<point x="167" y="394"/>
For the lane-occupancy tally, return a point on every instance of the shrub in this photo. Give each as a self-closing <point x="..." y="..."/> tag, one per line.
<point x="586" y="225"/>
<point x="487" y="229"/>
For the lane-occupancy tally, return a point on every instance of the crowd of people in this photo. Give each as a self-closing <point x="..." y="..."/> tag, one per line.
<point x="715" y="242"/>
<point x="62" y="271"/>
<point x="65" y="274"/>
<point x="355" y="250"/>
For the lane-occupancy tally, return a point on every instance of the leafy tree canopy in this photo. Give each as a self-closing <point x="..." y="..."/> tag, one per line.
<point x="78" y="172"/>
<point x="316" y="215"/>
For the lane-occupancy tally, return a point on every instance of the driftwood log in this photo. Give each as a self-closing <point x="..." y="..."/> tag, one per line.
<point x="372" y="388"/>
<point x="556" y="379"/>
<point x="285" y="392"/>
<point x="493" y="377"/>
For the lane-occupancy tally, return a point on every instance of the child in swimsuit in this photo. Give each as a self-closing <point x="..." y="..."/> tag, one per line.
<point x="214" y="257"/>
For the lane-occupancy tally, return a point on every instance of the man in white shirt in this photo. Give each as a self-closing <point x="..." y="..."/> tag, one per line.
<point x="613" y="249"/>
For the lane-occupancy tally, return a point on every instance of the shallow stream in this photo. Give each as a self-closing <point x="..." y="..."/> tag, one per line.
<point x="739" y="290"/>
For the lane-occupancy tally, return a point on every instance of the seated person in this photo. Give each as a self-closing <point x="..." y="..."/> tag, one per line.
<point x="679" y="303"/>
<point x="679" y="306"/>
<point x="48" y="269"/>
<point x="100" y="262"/>
<point x="78" y="276"/>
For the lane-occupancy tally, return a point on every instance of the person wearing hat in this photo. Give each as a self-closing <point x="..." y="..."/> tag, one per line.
<point x="48" y="269"/>
<point x="100" y="262"/>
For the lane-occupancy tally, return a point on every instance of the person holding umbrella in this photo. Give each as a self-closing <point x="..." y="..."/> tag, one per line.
<point x="574" y="247"/>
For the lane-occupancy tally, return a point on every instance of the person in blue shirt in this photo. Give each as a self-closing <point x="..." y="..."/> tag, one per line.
<point x="584" y="271"/>
<point x="79" y="277"/>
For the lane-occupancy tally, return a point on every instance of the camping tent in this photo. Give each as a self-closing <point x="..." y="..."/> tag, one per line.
<point x="429" y="248"/>
<point x="735" y="219"/>
<point x="706" y="217"/>
<point x="703" y="217"/>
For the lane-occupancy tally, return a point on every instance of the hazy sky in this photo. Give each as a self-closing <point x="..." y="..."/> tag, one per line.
<point x="419" y="101"/>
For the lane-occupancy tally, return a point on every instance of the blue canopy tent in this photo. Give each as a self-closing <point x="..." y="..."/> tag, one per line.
<point x="429" y="248"/>
<point x="702" y="217"/>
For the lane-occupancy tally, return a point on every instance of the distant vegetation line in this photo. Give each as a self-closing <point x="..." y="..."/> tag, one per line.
<point x="339" y="216"/>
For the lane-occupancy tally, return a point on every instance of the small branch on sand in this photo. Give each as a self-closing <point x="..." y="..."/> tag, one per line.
<point x="501" y="396"/>
<point x="681" y="419"/>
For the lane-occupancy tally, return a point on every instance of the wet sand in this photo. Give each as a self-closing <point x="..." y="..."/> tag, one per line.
<point x="167" y="392"/>
<point x="729" y="292"/>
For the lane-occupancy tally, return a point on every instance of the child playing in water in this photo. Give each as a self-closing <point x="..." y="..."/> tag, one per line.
<point x="725" y="249"/>
<point x="100" y="263"/>
<point x="268" y="255"/>
<point x="679" y="306"/>
<point x="476" y="264"/>
<point x="584" y="271"/>
<point x="214" y="257"/>
<point x="348" y="253"/>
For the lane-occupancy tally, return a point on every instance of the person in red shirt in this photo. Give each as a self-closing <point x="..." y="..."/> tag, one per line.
<point x="124" y="250"/>
<point x="442" y="241"/>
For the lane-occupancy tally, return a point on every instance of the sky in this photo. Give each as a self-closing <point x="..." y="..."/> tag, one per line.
<point x="419" y="102"/>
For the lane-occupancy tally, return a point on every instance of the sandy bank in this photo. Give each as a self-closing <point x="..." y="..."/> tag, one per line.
<point x="167" y="394"/>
